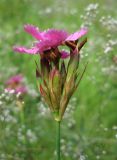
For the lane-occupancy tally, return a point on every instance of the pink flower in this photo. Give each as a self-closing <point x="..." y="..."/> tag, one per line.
<point x="47" y="40"/>
<point x="16" y="83"/>
<point x="21" y="89"/>
<point x="15" y="79"/>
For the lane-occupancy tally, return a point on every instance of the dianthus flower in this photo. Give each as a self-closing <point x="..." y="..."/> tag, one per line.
<point x="58" y="80"/>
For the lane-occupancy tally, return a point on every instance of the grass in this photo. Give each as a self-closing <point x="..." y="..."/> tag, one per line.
<point x="90" y="132"/>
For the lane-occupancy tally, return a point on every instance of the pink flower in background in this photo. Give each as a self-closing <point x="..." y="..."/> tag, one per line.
<point x="16" y="83"/>
<point x="15" y="79"/>
<point x="21" y="89"/>
<point x="46" y="40"/>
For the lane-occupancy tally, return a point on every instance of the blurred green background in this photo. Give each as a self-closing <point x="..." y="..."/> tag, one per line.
<point x="89" y="129"/>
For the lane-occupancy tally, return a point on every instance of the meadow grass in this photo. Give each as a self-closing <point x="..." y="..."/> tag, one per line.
<point x="89" y="129"/>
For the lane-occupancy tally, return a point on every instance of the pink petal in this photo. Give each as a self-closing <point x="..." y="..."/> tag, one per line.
<point x="64" y="54"/>
<point x="34" y="31"/>
<point x="22" y="49"/>
<point x="52" y="38"/>
<point x="77" y="35"/>
<point x="59" y="35"/>
<point x="45" y="45"/>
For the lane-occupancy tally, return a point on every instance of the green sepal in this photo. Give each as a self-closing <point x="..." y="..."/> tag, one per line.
<point x="73" y="64"/>
<point x="51" y="91"/>
<point x="56" y="85"/>
<point x="67" y="93"/>
<point x="45" y="94"/>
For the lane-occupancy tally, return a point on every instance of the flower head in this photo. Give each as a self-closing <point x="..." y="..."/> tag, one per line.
<point x="48" y="40"/>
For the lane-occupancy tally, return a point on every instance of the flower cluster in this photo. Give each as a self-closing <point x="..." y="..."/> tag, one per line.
<point x="90" y="14"/>
<point x="57" y="80"/>
<point x="109" y="22"/>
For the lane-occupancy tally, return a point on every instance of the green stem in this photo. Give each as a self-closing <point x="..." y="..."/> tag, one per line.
<point x="22" y="119"/>
<point x="58" y="140"/>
